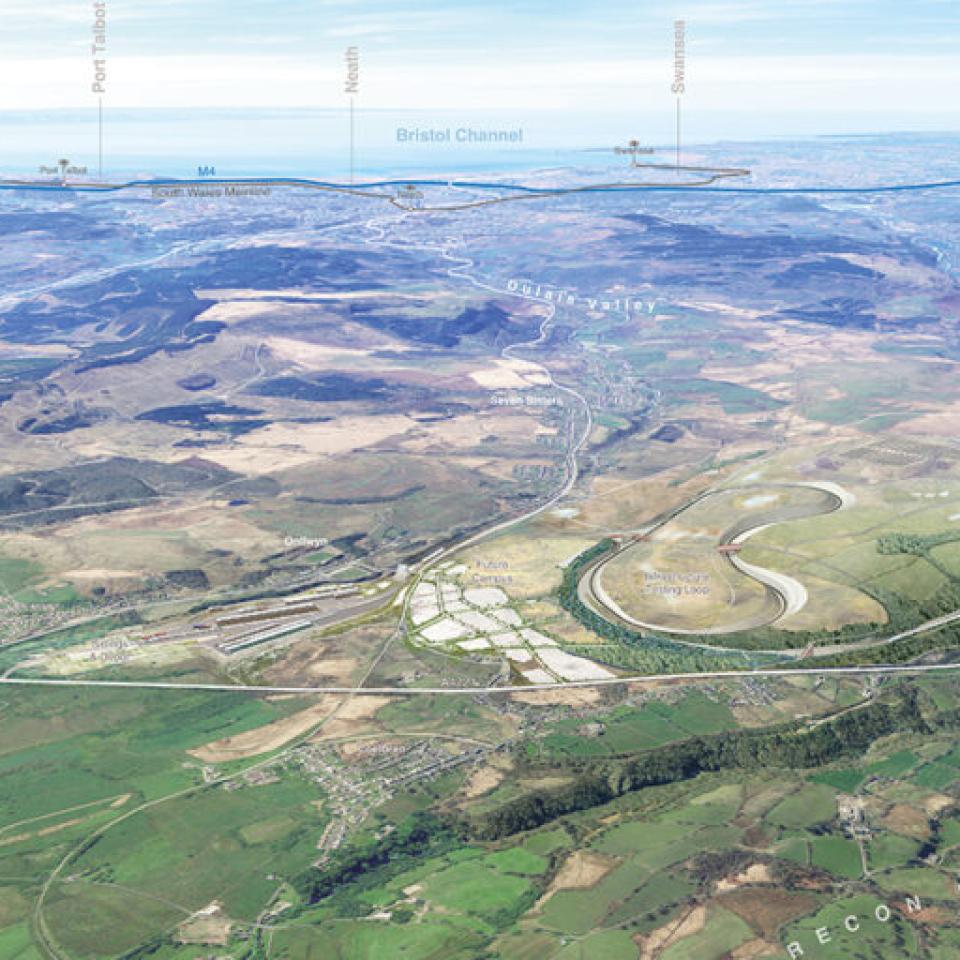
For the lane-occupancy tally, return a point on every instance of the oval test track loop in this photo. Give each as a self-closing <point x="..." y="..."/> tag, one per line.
<point x="790" y="593"/>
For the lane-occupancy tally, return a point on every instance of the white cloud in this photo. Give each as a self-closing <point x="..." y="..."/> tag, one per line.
<point x="18" y="13"/>
<point x="837" y="83"/>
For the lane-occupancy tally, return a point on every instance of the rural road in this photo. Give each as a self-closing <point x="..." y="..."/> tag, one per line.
<point x="892" y="670"/>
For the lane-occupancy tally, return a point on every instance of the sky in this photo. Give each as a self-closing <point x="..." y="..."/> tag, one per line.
<point x="753" y="66"/>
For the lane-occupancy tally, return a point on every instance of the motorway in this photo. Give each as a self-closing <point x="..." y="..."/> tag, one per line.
<point x="405" y="195"/>
<point x="708" y="177"/>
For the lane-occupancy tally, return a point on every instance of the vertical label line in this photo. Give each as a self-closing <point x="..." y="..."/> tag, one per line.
<point x="352" y="89"/>
<point x="679" y="75"/>
<point x="98" y="52"/>
<point x="100" y="138"/>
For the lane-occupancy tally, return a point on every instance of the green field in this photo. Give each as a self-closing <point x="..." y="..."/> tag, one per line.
<point x="174" y="846"/>
<point x="63" y="748"/>
<point x="75" y="761"/>
<point x="894" y="766"/>
<point x="936" y="776"/>
<point x="603" y="945"/>
<point x="837" y="855"/>
<point x="846" y="781"/>
<point x="628" y="729"/>
<point x="891" y="850"/>
<point x="363" y="940"/>
<point x="638" y="886"/>
<point x="918" y="881"/>
<point x="813" y="804"/>
<point x="871" y="940"/>
<point x="724" y="931"/>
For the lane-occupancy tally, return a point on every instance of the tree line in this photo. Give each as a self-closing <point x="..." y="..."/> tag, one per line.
<point x="791" y="746"/>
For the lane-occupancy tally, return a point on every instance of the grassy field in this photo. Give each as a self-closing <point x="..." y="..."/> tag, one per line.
<point x="893" y="766"/>
<point x="871" y="941"/>
<point x="602" y="945"/>
<point x="891" y="850"/>
<point x="726" y="859"/>
<point x="722" y="933"/>
<point x="360" y="940"/>
<point x="72" y="762"/>
<point x="807" y="807"/>
<point x="845" y="780"/>
<point x="936" y="776"/>
<point x="627" y="729"/>
<point x="60" y="748"/>
<point x="642" y="886"/>
<point x="837" y="855"/>
<point x="918" y="881"/>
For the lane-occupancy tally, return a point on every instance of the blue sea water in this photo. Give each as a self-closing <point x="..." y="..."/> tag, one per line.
<point x="316" y="144"/>
<point x="312" y="143"/>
